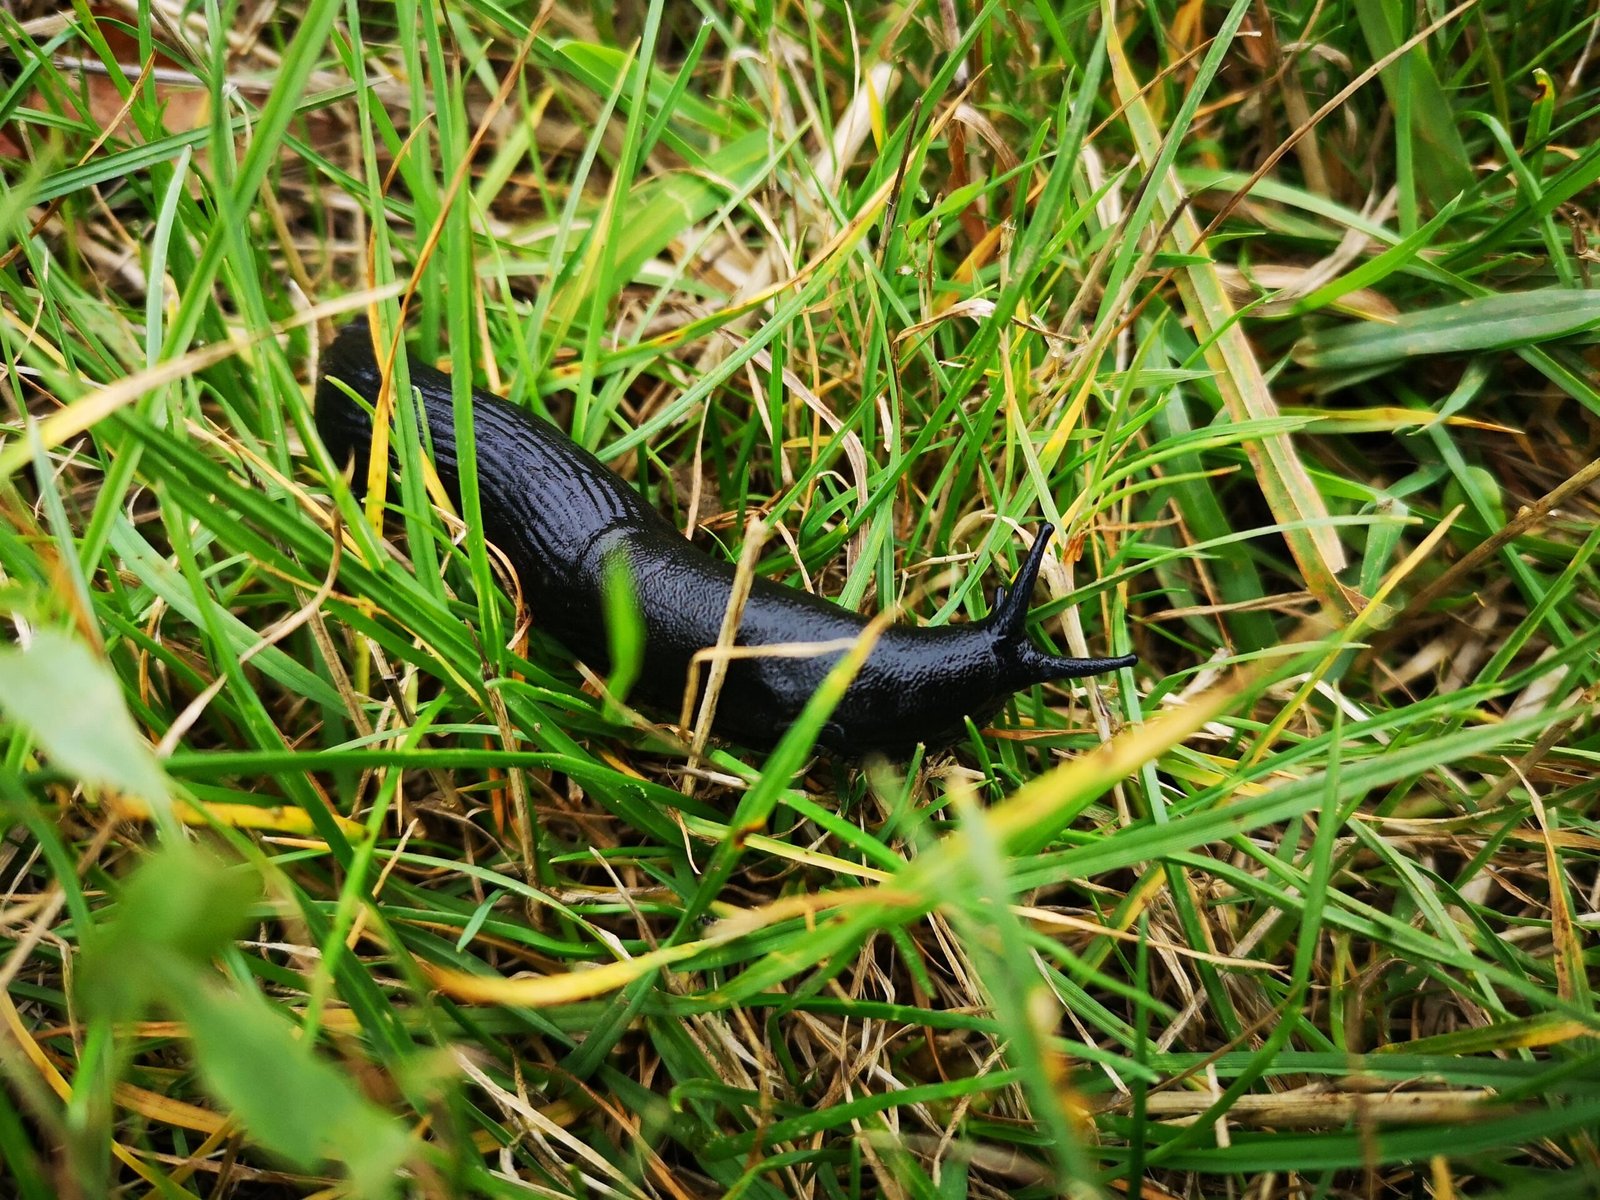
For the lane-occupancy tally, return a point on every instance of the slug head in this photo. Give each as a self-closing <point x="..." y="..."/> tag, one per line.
<point x="923" y="684"/>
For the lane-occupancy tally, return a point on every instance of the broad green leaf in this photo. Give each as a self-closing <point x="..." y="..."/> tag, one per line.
<point x="71" y="702"/>
<point x="178" y="911"/>
<point x="289" y="1100"/>
<point x="1485" y="323"/>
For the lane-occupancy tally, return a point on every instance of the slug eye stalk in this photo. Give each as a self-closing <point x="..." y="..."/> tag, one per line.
<point x="1009" y="620"/>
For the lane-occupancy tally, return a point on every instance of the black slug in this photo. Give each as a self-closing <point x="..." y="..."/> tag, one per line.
<point x="558" y="514"/>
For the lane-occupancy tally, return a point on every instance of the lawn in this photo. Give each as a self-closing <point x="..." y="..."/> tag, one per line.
<point x="326" y="872"/>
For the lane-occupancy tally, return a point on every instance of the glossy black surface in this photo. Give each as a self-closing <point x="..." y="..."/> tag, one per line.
<point x="558" y="513"/>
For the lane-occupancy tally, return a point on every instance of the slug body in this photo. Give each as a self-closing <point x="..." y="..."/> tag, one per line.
<point x="559" y="515"/>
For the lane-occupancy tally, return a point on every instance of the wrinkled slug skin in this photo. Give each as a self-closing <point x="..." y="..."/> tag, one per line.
<point x="557" y="512"/>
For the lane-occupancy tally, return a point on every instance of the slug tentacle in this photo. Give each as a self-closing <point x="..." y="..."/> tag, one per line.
<point x="1009" y="620"/>
<point x="1043" y="668"/>
<point x="556" y="512"/>
<point x="1010" y="615"/>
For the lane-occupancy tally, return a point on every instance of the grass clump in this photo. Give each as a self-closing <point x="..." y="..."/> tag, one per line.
<point x="325" y="875"/>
